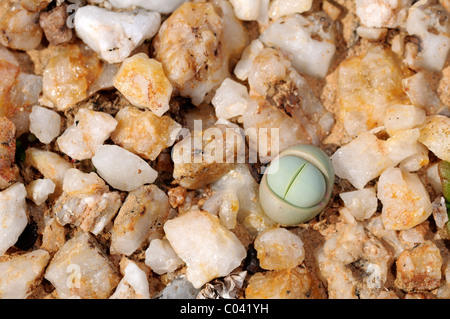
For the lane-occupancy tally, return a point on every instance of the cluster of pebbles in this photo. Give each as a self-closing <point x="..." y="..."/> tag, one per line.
<point x="102" y="100"/>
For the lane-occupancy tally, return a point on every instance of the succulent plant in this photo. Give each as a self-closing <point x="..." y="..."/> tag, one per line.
<point x="297" y="185"/>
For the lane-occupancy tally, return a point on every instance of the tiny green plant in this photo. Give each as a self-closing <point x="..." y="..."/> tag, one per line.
<point x="297" y="185"/>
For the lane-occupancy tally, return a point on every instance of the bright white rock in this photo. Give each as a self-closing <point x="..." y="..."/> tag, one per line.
<point x="114" y="35"/>
<point x="22" y="273"/>
<point x="382" y="13"/>
<point x="209" y="249"/>
<point x="231" y="99"/>
<point x="38" y="190"/>
<point x="140" y="219"/>
<point x="80" y="269"/>
<point x="50" y="164"/>
<point x="362" y="203"/>
<point x="122" y="169"/>
<point x="435" y="135"/>
<point x="405" y="200"/>
<point x="134" y="284"/>
<point x="13" y="215"/>
<point x="161" y="257"/>
<point x="89" y="130"/>
<point x="366" y="157"/>
<point x="166" y="6"/>
<point x="309" y="42"/>
<point x="431" y="24"/>
<point x="244" y="66"/>
<point x="78" y="183"/>
<point x="279" y="8"/>
<point x="403" y="117"/>
<point x="278" y="248"/>
<point x="246" y="10"/>
<point x="421" y="94"/>
<point x="45" y="124"/>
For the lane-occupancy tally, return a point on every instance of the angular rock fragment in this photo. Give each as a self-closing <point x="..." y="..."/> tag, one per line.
<point x="209" y="249"/>
<point x="39" y="190"/>
<point x="70" y="71"/>
<point x="406" y="202"/>
<point x="22" y="273"/>
<point x="81" y="269"/>
<point x="20" y="29"/>
<point x="54" y="25"/>
<point x="419" y="268"/>
<point x="50" y="164"/>
<point x="122" y="169"/>
<point x="143" y="82"/>
<point x="134" y="283"/>
<point x="139" y="219"/>
<point x="144" y="133"/>
<point x="279" y="249"/>
<point x="89" y="130"/>
<point x="13" y="215"/>
<point x="161" y="257"/>
<point x="309" y="42"/>
<point x="190" y="46"/>
<point x="45" y="124"/>
<point x="435" y="135"/>
<point x="114" y="35"/>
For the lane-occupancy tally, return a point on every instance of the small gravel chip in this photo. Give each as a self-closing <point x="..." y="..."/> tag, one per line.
<point x="143" y="82"/>
<point x="278" y="249"/>
<point x="81" y="269"/>
<point x="90" y="130"/>
<point x="122" y="169"/>
<point x="161" y="257"/>
<point x="13" y="215"/>
<point x="39" y="189"/>
<point x="21" y="273"/>
<point x="208" y="248"/>
<point x="45" y="124"/>
<point x="114" y="35"/>
<point x="139" y="219"/>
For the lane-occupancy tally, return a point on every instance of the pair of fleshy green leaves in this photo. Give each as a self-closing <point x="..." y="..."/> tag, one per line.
<point x="297" y="185"/>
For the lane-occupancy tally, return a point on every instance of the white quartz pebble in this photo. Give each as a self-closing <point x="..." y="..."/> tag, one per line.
<point x="246" y="10"/>
<point x="39" y="189"/>
<point x="166" y="6"/>
<point x="308" y="43"/>
<point x="209" y="249"/>
<point x="21" y="273"/>
<point x="89" y="130"/>
<point x="279" y="8"/>
<point x="134" y="284"/>
<point x="122" y="169"/>
<point x="366" y="157"/>
<point x="50" y="164"/>
<point x="80" y="269"/>
<point x="45" y="124"/>
<point x="431" y="24"/>
<point x="78" y="183"/>
<point x="161" y="257"/>
<point x="361" y="203"/>
<point x="13" y="216"/>
<point x="231" y="99"/>
<point x="278" y="248"/>
<point x="382" y="13"/>
<point x="405" y="200"/>
<point x="114" y="35"/>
